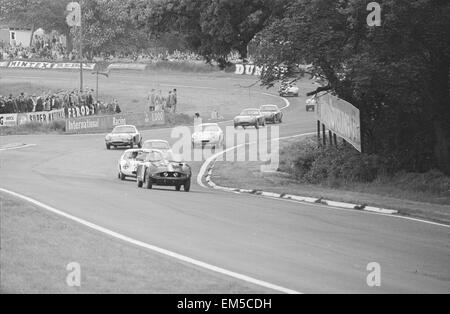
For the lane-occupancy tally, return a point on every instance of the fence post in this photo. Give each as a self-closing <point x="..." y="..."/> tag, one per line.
<point x="324" y="135"/>
<point x="318" y="132"/>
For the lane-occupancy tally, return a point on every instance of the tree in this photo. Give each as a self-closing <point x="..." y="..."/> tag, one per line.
<point x="396" y="74"/>
<point x="212" y="28"/>
<point x="46" y="14"/>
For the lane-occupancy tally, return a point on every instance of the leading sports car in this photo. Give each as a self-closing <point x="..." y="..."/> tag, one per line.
<point x="250" y="117"/>
<point x="129" y="161"/>
<point x="207" y="134"/>
<point x="123" y="135"/>
<point x="158" y="170"/>
<point x="272" y="113"/>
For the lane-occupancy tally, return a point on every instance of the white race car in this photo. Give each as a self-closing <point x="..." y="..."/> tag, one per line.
<point x="129" y="161"/>
<point x="208" y="134"/>
<point x="123" y="135"/>
<point x="289" y="91"/>
<point x="161" y="145"/>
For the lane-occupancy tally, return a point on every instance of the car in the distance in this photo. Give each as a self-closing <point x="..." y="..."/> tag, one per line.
<point x="272" y="114"/>
<point x="157" y="169"/>
<point x="123" y="135"/>
<point x="250" y="117"/>
<point x="207" y="134"/>
<point x="289" y="90"/>
<point x="129" y="161"/>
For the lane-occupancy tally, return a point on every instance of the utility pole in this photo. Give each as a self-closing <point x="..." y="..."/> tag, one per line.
<point x="73" y="19"/>
<point x="81" y="57"/>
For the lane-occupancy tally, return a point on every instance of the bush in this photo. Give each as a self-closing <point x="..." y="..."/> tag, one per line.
<point x="35" y="127"/>
<point x="178" y="119"/>
<point x="59" y="125"/>
<point x="433" y="181"/>
<point x="186" y="66"/>
<point x="341" y="164"/>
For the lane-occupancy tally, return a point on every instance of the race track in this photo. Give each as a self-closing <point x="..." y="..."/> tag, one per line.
<point x="307" y="248"/>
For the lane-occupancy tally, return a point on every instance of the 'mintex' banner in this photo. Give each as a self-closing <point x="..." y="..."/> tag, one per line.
<point x="106" y="123"/>
<point x="50" y="65"/>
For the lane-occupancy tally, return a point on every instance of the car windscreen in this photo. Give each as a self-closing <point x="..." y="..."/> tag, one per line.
<point x="154" y="156"/>
<point x="124" y="129"/>
<point x="130" y="155"/>
<point x="269" y="108"/>
<point x="250" y="113"/>
<point x="156" y="145"/>
<point x="141" y="156"/>
<point x="210" y="128"/>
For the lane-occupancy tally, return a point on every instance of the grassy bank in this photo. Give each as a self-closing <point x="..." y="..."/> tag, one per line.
<point x="424" y="195"/>
<point x="198" y="91"/>
<point x="180" y="66"/>
<point x="36" y="246"/>
<point x="343" y="167"/>
<point x="35" y="128"/>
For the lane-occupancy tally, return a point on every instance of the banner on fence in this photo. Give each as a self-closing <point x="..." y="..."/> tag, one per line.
<point x="127" y="66"/>
<point x="248" y="69"/>
<point x="8" y="119"/>
<point x="4" y="64"/>
<point x="50" y="65"/>
<point x="106" y="123"/>
<point x="40" y="117"/>
<point x="340" y="117"/>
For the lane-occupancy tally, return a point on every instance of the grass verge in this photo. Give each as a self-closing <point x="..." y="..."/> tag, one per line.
<point x="36" y="247"/>
<point x="420" y="195"/>
<point x="35" y="128"/>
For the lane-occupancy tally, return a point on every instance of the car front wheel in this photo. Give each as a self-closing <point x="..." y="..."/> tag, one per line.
<point x="187" y="185"/>
<point x="139" y="183"/>
<point x="148" y="183"/>
<point x="108" y="146"/>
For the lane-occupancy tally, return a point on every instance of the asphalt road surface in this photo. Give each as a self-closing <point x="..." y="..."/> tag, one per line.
<point x="307" y="248"/>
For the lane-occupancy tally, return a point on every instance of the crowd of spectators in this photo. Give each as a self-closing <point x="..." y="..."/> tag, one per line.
<point x="44" y="49"/>
<point x="74" y="103"/>
<point x="54" y="50"/>
<point x="149" y="56"/>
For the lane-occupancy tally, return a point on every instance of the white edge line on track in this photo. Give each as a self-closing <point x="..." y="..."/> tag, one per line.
<point x="17" y="147"/>
<point x="154" y="248"/>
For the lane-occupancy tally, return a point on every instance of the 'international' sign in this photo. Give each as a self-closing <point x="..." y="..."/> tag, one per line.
<point x="340" y="117"/>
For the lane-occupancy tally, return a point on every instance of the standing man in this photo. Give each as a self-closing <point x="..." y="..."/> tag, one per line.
<point x="151" y="100"/>
<point x="175" y="100"/>
<point x="170" y="102"/>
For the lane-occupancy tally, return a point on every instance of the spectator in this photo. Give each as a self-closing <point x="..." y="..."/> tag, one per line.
<point x="116" y="106"/>
<point x="175" y="100"/>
